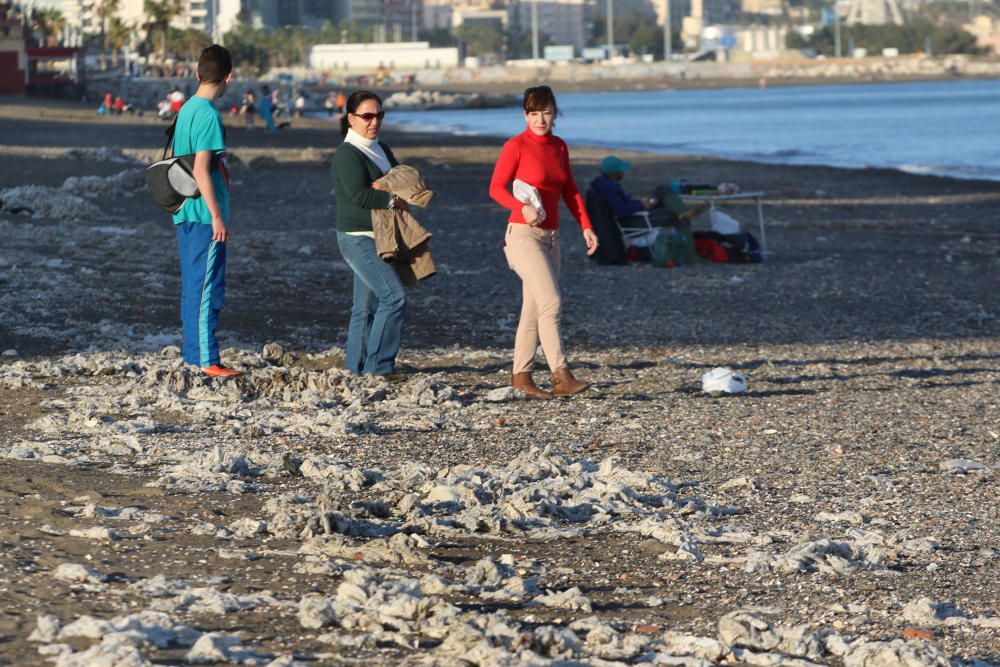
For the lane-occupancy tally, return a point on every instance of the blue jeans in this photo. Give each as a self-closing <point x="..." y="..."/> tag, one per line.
<point x="376" y="327"/>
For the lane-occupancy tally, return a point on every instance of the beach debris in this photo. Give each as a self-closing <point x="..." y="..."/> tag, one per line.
<point x="40" y="201"/>
<point x="964" y="466"/>
<point x="101" y="154"/>
<point x="722" y="380"/>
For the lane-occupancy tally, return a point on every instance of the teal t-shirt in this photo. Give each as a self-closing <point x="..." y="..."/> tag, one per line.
<point x="199" y="128"/>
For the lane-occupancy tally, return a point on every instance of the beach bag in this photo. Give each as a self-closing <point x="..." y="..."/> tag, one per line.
<point x="668" y="249"/>
<point x="742" y="248"/>
<point x="171" y="180"/>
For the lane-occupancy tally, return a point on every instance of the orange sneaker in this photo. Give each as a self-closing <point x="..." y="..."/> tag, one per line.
<point x="219" y="371"/>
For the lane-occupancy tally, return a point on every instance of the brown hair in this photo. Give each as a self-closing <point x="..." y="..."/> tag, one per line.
<point x="353" y="102"/>
<point x="215" y="64"/>
<point x="540" y="98"/>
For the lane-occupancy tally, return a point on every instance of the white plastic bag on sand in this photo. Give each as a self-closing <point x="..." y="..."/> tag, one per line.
<point x="528" y="194"/>
<point x="723" y="381"/>
<point x="723" y="223"/>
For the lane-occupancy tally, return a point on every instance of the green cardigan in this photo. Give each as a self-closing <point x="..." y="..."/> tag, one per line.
<point x="353" y="175"/>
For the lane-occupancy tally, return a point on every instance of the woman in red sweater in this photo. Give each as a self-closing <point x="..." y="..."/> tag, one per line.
<point x="539" y="159"/>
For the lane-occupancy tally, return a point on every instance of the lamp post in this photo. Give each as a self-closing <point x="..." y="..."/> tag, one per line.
<point x="534" y="32"/>
<point x="836" y="30"/>
<point x="666" y="30"/>
<point x="611" y="30"/>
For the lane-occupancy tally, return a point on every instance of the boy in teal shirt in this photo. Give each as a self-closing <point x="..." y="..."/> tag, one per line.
<point x="202" y="221"/>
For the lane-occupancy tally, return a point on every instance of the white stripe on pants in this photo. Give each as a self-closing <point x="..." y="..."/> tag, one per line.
<point x="533" y="253"/>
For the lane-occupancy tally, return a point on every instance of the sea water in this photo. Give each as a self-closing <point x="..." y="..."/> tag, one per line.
<point x="947" y="128"/>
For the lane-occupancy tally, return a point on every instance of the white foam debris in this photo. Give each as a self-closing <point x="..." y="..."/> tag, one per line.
<point x="95" y="533"/>
<point x="911" y="653"/>
<point x="46" y="630"/>
<point x="100" y="154"/>
<point x="122" y="184"/>
<point x="110" y="652"/>
<point x="750" y="629"/>
<point x="706" y="648"/>
<point x="40" y="201"/>
<point x="76" y="573"/>
<point x="926" y="612"/>
<point x="213" y="647"/>
<point x="175" y="597"/>
<point x="144" y="627"/>
<point x="572" y="598"/>
<point x="963" y="466"/>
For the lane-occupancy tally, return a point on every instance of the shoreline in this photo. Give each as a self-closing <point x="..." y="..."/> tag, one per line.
<point x="61" y="110"/>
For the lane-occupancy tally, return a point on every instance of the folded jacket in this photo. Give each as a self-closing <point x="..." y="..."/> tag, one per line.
<point x="399" y="238"/>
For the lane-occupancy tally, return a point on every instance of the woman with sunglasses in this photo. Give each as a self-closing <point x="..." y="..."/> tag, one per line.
<point x="540" y="159"/>
<point x="376" y="326"/>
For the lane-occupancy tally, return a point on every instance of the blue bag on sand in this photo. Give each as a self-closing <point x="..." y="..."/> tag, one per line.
<point x="668" y="249"/>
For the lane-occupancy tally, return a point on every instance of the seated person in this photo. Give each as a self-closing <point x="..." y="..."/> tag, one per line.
<point x="608" y="186"/>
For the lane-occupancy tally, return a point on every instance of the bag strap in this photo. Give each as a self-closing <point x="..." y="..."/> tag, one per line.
<point x="170" y="138"/>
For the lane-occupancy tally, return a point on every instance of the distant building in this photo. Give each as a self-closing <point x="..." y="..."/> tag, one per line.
<point x="986" y="30"/>
<point x="13" y="53"/>
<point x="563" y="21"/>
<point x="394" y="55"/>
<point x="765" y="7"/>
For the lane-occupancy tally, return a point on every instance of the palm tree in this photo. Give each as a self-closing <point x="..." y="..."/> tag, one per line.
<point x="49" y="24"/>
<point x="160" y="14"/>
<point x="106" y="9"/>
<point x="119" y="34"/>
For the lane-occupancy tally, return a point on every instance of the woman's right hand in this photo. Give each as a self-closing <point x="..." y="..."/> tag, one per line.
<point x="530" y="214"/>
<point x="380" y="185"/>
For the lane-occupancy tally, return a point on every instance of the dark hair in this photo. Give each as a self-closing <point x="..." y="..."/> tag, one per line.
<point x="353" y="102"/>
<point x="540" y="98"/>
<point x="214" y="64"/>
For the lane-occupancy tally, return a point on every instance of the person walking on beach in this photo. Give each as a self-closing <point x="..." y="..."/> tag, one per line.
<point x="379" y="306"/>
<point x="539" y="159"/>
<point x="249" y="108"/>
<point x="266" y="109"/>
<point x="202" y="222"/>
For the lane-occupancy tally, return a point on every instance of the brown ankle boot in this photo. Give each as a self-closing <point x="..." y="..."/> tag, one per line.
<point x="564" y="384"/>
<point x="523" y="382"/>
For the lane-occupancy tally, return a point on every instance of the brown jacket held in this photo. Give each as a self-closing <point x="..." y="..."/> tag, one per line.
<point x="399" y="238"/>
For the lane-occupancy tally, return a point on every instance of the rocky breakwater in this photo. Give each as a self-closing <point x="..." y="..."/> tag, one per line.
<point x="433" y="99"/>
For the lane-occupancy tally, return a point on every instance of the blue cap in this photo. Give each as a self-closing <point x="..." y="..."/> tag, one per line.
<point x="611" y="164"/>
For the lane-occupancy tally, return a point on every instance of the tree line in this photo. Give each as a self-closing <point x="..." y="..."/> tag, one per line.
<point x="257" y="50"/>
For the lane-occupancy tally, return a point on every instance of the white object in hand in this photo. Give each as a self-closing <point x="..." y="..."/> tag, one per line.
<point x="723" y="380"/>
<point x="528" y="194"/>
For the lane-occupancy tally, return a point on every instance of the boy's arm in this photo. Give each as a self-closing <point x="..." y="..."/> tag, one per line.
<point x="203" y="177"/>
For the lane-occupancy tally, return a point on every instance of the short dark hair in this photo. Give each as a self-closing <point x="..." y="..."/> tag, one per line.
<point x="214" y="64"/>
<point x="540" y="98"/>
<point x="353" y="102"/>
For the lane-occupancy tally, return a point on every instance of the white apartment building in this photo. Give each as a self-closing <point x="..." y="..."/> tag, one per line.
<point x="213" y="17"/>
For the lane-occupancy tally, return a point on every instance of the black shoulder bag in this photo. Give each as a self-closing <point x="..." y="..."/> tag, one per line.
<point x="171" y="180"/>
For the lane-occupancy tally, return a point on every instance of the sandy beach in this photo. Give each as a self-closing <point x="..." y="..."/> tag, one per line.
<point x="841" y="512"/>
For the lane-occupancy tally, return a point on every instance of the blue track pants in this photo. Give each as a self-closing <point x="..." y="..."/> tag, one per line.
<point x="203" y="287"/>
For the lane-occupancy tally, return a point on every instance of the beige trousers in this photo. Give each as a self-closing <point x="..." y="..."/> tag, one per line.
<point x="533" y="254"/>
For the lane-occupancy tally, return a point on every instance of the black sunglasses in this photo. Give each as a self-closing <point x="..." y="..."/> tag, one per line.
<point x="369" y="117"/>
<point x="537" y="89"/>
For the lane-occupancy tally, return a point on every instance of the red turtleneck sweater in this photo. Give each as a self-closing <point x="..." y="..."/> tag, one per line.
<point x="544" y="163"/>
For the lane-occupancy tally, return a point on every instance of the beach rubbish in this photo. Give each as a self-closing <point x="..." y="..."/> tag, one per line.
<point x="723" y="223"/>
<point x="528" y="194"/>
<point x="723" y="380"/>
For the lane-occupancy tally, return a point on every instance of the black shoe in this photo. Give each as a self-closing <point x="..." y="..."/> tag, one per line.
<point x="394" y="377"/>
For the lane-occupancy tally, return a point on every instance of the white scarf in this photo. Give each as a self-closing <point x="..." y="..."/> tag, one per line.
<point x="371" y="149"/>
